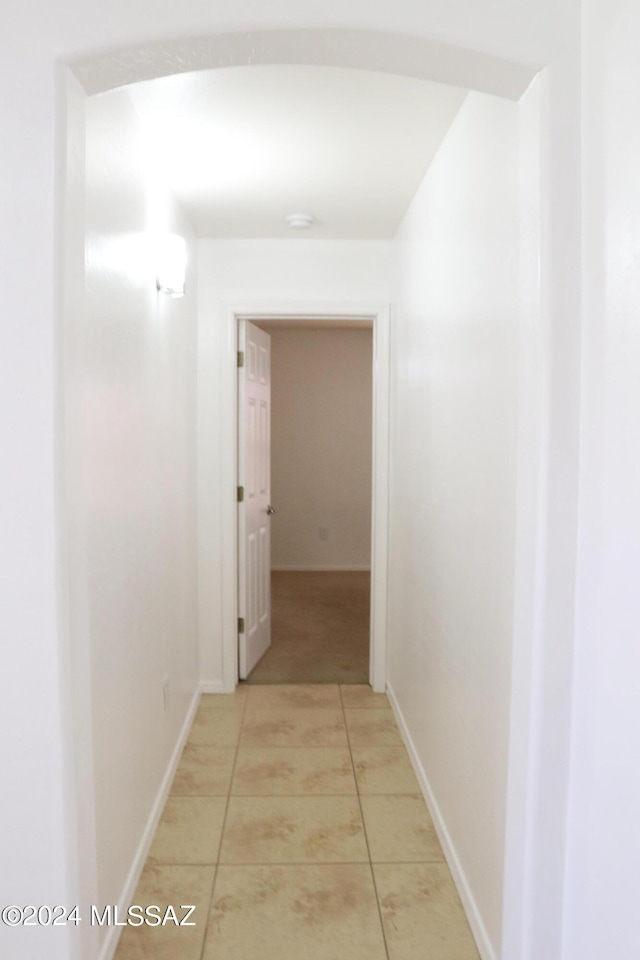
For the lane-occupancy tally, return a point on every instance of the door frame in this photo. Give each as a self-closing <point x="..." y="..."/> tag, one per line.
<point x="312" y="311"/>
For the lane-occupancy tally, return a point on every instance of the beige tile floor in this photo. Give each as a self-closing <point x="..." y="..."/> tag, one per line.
<point x="296" y="827"/>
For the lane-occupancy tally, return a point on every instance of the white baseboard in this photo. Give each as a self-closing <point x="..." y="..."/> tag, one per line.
<point x="322" y="567"/>
<point x="113" y="933"/>
<point x="476" y="923"/>
<point x="212" y="686"/>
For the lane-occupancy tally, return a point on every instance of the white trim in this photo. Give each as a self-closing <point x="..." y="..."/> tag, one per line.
<point x="313" y="311"/>
<point x="471" y="910"/>
<point x="321" y="567"/>
<point x="380" y="501"/>
<point x="212" y="686"/>
<point x="113" y="933"/>
<point x="531" y="508"/>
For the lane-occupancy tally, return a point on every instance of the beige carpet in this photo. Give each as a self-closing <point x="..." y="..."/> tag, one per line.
<point x="319" y="629"/>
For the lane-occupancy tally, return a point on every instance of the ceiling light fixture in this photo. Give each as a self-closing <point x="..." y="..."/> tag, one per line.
<point x="300" y="221"/>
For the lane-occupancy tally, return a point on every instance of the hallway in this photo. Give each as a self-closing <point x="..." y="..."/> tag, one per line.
<point x="296" y="827"/>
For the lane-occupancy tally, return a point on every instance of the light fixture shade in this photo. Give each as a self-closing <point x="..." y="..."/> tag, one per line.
<point x="171" y="260"/>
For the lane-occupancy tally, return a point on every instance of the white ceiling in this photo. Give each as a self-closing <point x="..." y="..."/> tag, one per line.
<point x="244" y="147"/>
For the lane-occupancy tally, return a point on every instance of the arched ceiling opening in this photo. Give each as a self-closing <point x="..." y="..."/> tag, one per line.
<point x="404" y="55"/>
<point x="243" y="148"/>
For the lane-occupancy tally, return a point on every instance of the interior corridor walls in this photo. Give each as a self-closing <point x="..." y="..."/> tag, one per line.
<point x="453" y="490"/>
<point x="129" y="476"/>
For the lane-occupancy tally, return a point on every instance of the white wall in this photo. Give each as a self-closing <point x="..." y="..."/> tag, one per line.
<point x="129" y="488"/>
<point x="245" y="272"/>
<point x="321" y="413"/>
<point x="453" y="488"/>
<point x="37" y="833"/>
<point x="547" y="512"/>
<point x="603" y="879"/>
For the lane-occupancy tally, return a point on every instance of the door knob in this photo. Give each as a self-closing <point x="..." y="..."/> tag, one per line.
<point x="270" y="510"/>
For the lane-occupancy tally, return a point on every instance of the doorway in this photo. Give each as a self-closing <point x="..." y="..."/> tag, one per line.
<point x="308" y="316"/>
<point x="318" y="531"/>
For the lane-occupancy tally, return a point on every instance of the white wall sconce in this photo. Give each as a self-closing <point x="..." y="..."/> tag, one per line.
<point x="171" y="264"/>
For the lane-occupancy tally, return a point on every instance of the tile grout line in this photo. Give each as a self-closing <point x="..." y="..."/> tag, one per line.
<point x="364" y="830"/>
<point x="301" y="863"/>
<point x="283" y="796"/>
<point x="296" y="863"/>
<point x="222" y="829"/>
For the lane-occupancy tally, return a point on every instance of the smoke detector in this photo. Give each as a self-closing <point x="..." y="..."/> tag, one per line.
<point x="300" y="221"/>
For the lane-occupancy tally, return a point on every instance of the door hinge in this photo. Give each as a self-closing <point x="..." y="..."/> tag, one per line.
<point x="240" y="624"/>
<point x="241" y="358"/>
<point x="240" y="494"/>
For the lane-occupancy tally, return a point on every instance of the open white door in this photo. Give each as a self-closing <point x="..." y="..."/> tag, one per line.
<point x="254" y="509"/>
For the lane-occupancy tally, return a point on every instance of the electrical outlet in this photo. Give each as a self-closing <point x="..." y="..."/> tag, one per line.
<point x="323" y="533"/>
<point x="165" y="692"/>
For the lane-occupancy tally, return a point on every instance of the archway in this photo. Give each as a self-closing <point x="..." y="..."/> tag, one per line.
<point x="362" y="49"/>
